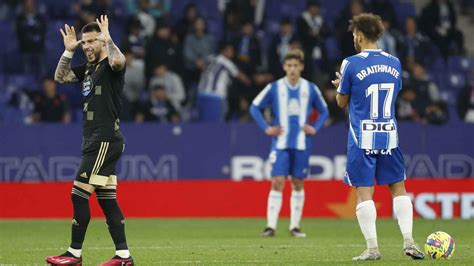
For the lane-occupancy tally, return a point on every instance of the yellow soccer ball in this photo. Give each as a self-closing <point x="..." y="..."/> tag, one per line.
<point x="439" y="245"/>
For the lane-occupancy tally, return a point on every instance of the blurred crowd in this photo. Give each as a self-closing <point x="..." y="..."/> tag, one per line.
<point x="173" y="64"/>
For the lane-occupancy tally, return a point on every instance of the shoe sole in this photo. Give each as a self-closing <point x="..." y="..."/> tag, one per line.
<point x="413" y="256"/>
<point x="378" y="258"/>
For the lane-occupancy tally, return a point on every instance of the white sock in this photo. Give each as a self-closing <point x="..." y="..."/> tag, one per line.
<point x="124" y="253"/>
<point x="75" y="252"/>
<point x="273" y="208"/>
<point x="367" y="215"/>
<point x="403" y="209"/>
<point x="296" y="205"/>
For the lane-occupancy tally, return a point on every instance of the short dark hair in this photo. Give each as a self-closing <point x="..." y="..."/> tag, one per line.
<point x="312" y="3"/>
<point x="369" y="24"/>
<point x="224" y="45"/>
<point x="90" y="27"/>
<point x="285" y="21"/>
<point x="294" y="54"/>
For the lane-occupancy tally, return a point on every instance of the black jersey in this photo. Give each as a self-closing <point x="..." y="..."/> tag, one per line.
<point x="102" y="89"/>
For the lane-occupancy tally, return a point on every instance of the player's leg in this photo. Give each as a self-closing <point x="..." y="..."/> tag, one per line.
<point x="391" y="171"/>
<point x="280" y="164"/>
<point x="81" y="192"/>
<point x="299" y="171"/>
<point x="360" y="172"/>
<point x="106" y="191"/>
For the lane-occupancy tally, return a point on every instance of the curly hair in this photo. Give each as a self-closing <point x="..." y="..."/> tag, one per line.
<point x="369" y="24"/>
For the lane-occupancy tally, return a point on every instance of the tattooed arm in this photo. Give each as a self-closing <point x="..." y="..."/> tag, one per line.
<point x="63" y="73"/>
<point x="115" y="56"/>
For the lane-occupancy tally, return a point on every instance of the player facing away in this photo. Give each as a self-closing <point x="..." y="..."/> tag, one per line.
<point x="292" y="99"/>
<point x="369" y="83"/>
<point x="102" y="78"/>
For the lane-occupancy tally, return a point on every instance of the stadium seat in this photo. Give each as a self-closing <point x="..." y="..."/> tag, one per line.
<point x="7" y="31"/>
<point x="457" y="80"/>
<point x="460" y="64"/>
<point x="210" y="107"/>
<point x="13" y="115"/>
<point x="332" y="48"/>
<point x="404" y="10"/>
<point x="23" y="82"/>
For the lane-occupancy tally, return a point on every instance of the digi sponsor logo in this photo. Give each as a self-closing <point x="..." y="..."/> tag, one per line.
<point x="377" y="127"/>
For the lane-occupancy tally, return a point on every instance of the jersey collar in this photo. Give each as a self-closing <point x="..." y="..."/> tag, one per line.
<point x="289" y="85"/>
<point x="372" y="50"/>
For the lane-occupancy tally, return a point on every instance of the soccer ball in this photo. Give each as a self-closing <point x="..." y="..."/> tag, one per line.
<point x="439" y="245"/>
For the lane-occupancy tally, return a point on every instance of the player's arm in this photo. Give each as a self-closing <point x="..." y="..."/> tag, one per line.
<point x="114" y="55"/>
<point x="342" y="100"/>
<point x="319" y="104"/>
<point x="63" y="73"/>
<point x="343" y="84"/>
<point x="262" y="100"/>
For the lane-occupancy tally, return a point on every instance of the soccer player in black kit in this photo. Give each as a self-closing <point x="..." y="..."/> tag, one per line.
<point x="102" y="78"/>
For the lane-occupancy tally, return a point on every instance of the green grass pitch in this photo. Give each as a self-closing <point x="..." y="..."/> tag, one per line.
<point x="226" y="241"/>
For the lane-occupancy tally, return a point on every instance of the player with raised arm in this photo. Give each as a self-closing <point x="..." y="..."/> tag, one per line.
<point x="292" y="99"/>
<point x="102" y="78"/>
<point x="369" y="83"/>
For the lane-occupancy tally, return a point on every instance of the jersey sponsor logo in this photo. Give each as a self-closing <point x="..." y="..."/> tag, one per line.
<point x="382" y="152"/>
<point x="86" y="86"/>
<point x="377" y="126"/>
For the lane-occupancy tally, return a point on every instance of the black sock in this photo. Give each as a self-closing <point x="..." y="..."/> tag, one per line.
<point x="82" y="216"/>
<point x="113" y="214"/>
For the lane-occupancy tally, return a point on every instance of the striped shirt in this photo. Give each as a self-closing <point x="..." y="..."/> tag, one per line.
<point x="373" y="79"/>
<point x="291" y="106"/>
<point x="217" y="77"/>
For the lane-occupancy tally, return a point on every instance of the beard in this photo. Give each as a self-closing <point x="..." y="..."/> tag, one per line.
<point x="93" y="58"/>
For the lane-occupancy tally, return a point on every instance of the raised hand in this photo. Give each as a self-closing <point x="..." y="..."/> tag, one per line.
<point x="69" y="38"/>
<point x="337" y="80"/>
<point x="103" y="23"/>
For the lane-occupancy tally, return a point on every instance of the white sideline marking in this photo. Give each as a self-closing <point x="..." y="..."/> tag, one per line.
<point x="215" y="247"/>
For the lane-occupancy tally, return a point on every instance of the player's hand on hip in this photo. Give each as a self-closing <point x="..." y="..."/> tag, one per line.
<point x="273" y="131"/>
<point x="69" y="38"/>
<point x="309" y="130"/>
<point x="337" y="80"/>
<point x="103" y="23"/>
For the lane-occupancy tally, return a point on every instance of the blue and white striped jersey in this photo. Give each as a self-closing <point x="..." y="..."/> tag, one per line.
<point x="373" y="79"/>
<point x="291" y="107"/>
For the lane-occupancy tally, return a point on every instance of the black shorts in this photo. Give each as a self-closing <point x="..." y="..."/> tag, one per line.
<point x="98" y="162"/>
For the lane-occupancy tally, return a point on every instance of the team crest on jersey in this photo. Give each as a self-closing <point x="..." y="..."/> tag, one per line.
<point x="87" y="86"/>
<point x="293" y="107"/>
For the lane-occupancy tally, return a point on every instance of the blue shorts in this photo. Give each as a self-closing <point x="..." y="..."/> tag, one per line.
<point x="290" y="162"/>
<point x="363" y="166"/>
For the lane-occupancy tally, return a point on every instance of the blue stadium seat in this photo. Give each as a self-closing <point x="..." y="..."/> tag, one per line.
<point x="457" y="80"/>
<point x="13" y="116"/>
<point x="7" y="31"/>
<point x="23" y="81"/>
<point x="210" y="107"/>
<point x="404" y="10"/>
<point x="460" y="64"/>
<point x="332" y="48"/>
